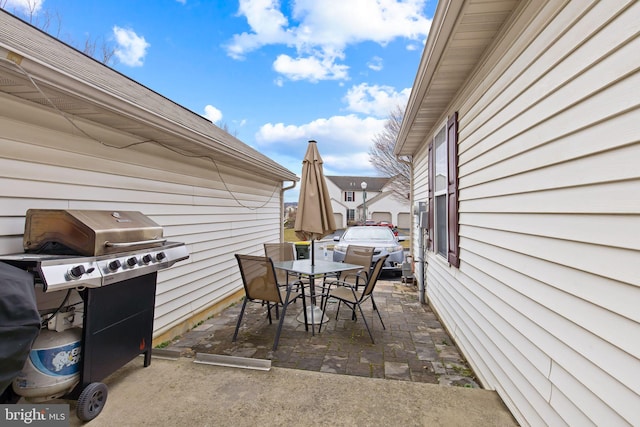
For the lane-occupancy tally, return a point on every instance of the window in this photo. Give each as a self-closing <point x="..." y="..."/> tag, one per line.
<point x="440" y="147"/>
<point x="351" y="214"/>
<point x="349" y="196"/>
<point x="443" y="192"/>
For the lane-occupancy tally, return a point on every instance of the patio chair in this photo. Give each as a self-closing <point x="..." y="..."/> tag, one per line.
<point x="348" y="294"/>
<point x="281" y="252"/>
<point x="285" y="251"/>
<point x="359" y="255"/>
<point x="261" y="285"/>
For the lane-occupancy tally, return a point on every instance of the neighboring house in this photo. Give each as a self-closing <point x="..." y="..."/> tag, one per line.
<point x="290" y="209"/>
<point x="75" y="134"/>
<point x="347" y="201"/>
<point x="523" y="128"/>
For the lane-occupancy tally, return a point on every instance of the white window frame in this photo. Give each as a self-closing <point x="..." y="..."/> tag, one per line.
<point x="441" y="241"/>
<point x="351" y="215"/>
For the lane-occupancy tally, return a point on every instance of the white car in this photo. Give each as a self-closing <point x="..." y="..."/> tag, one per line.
<point x="382" y="238"/>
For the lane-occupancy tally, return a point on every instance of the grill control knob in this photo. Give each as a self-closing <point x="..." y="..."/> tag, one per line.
<point x="146" y="259"/>
<point x="77" y="271"/>
<point x="132" y="261"/>
<point x="114" y="265"/>
<point x="160" y="256"/>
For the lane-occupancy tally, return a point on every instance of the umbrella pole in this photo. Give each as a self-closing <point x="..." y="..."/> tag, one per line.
<point x="313" y="253"/>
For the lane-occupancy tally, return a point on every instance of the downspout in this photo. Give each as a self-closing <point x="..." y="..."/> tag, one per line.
<point x="282" y="208"/>
<point x="422" y="271"/>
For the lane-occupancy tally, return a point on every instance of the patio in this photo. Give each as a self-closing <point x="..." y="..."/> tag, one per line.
<point x="414" y="347"/>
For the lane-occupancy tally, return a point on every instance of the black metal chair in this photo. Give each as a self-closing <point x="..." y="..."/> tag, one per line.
<point x="261" y="285"/>
<point x="347" y="293"/>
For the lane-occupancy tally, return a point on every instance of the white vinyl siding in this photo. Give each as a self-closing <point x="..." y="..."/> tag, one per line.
<point x="46" y="167"/>
<point x="544" y="304"/>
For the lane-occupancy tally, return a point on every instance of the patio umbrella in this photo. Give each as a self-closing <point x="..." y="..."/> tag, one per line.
<point x="314" y="218"/>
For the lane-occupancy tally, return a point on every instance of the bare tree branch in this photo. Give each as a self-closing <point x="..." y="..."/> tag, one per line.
<point x="43" y="19"/>
<point x="108" y="53"/>
<point x="89" y="47"/>
<point x="225" y="127"/>
<point x="382" y="158"/>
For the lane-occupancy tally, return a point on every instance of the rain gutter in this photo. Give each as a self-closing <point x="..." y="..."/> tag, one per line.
<point x="282" y="206"/>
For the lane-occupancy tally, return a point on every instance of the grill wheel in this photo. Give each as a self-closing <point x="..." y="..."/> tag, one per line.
<point x="91" y="401"/>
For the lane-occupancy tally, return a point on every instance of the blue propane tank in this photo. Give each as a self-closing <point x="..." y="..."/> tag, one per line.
<point x="53" y="367"/>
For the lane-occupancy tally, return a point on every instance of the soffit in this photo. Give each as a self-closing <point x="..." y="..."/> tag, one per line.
<point x="460" y="34"/>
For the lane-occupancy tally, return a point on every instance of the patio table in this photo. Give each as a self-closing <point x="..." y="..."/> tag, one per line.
<point x="319" y="268"/>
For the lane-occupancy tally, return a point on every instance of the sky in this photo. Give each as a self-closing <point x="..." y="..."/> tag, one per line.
<point x="275" y="74"/>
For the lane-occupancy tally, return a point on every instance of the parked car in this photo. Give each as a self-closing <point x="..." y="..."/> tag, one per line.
<point x="390" y="225"/>
<point x="382" y="238"/>
<point x="367" y="222"/>
<point x="371" y="222"/>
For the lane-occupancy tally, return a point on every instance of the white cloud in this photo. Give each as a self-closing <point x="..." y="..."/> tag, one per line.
<point x="339" y="22"/>
<point x="131" y="48"/>
<point x="375" y="99"/>
<point x="352" y="164"/>
<point x="22" y="6"/>
<point x="343" y="141"/>
<point x="182" y="1"/>
<point x="339" y="134"/>
<point x="212" y="113"/>
<point x="310" y="68"/>
<point x="322" y="30"/>
<point x="375" y="63"/>
<point x="267" y="23"/>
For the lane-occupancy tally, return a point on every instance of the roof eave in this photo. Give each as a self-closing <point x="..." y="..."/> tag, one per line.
<point x="449" y="58"/>
<point x="177" y="127"/>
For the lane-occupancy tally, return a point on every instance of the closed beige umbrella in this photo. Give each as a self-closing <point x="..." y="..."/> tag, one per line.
<point x="314" y="218"/>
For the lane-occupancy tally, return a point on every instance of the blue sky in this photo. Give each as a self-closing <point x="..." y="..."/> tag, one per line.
<point x="275" y="73"/>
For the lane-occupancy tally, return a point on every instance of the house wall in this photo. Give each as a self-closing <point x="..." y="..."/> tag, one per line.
<point x="380" y="210"/>
<point x="545" y="302"/>
<point x="338" y="204"/>
<point x="46" y="163"/>
<point x="380" y="205"/>
<point x="386" y="208"/>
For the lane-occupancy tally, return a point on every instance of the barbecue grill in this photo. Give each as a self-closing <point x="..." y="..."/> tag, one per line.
<point x="110" y="261"/>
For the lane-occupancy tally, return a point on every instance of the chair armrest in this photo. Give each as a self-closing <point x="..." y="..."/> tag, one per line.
<point x="343" y="283"/>
<point x="358" y="274"/>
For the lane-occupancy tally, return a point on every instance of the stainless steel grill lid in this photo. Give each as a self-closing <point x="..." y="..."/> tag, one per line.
<point x="88" y="232"/>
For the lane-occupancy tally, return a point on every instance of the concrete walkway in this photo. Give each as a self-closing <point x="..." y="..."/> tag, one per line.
<point x="184" y="393"/>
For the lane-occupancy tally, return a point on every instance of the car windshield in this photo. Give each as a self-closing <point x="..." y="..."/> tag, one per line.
<point x="368" y="233"/>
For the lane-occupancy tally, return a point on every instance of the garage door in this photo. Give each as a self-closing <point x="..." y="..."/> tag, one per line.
<point x="404" y="220"/>
<point x="381" y="216"/>
<point x="339" y="219"/>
